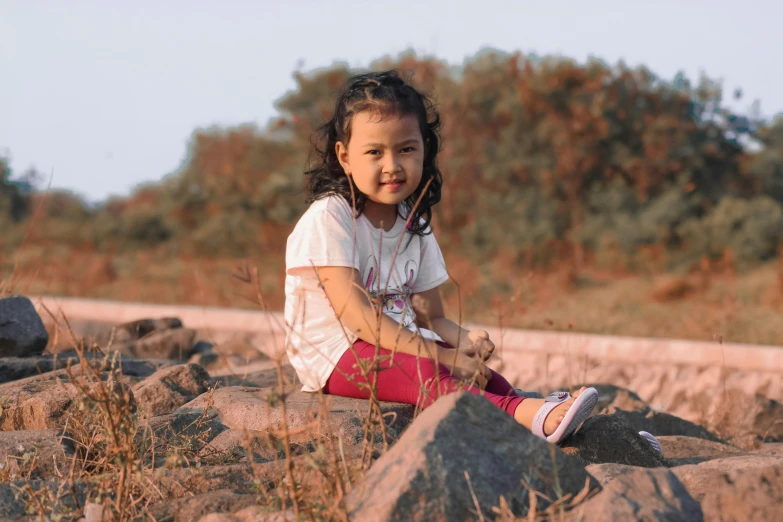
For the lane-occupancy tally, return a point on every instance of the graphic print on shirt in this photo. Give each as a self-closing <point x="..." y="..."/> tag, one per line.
<point x="395" y="302"/>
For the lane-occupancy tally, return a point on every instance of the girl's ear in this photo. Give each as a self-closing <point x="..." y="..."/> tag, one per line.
<point x="341" y="150"/>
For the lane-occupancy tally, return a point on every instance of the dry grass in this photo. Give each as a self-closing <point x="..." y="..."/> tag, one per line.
<point x="116" y="457"/>
<point x="118" y="460"/>
<point x="117" y="463"/>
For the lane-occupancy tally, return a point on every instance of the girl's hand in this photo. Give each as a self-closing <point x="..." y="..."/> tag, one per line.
<point x="467" y="368"/>
<point x="477" y="345"/>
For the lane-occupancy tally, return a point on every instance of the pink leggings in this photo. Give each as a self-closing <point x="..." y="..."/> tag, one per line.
<point x="411" y="380"/>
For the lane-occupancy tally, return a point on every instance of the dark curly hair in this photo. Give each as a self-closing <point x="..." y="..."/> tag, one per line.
<point x="385" y="93"/>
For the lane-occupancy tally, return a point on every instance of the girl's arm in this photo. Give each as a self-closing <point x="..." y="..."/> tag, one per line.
<point x="430" y="314"/>
<point x="352" y="305"/>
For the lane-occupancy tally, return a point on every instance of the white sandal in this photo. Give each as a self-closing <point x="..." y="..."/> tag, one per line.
<point x="578" y="412"/>
<point x="649" y="437"/>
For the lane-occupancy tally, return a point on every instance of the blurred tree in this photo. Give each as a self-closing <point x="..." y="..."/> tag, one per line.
<point x="14" y="200"/>
<point x="752" y="229"/>
<point x="765" y="168"/>
<point x="538" y="152"/>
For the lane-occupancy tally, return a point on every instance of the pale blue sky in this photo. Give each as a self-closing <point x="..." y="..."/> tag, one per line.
<point x="105" y="94"/>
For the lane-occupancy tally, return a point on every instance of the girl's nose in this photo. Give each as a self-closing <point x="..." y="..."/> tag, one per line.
<point x="391" y="164"/>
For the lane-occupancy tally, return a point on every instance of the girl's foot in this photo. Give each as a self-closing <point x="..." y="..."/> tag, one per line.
<point x="545" y="416"/>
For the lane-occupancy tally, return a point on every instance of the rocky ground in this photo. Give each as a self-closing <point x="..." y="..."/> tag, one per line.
<point x="152" y="420"/>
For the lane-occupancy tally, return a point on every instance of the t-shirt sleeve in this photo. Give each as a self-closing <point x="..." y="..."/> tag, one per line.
<point x="323" y="238"/>
<point x="432" y="269"/>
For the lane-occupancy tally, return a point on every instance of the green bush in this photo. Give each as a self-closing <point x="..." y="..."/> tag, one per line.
<point x="751" y="228"/>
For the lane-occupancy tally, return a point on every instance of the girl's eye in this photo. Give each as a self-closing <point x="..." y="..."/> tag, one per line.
<point x="373" y="152"/>
<point x="407" y="149"/>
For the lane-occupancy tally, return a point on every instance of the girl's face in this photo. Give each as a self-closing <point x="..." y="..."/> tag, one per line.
<point x="385" y="157"/>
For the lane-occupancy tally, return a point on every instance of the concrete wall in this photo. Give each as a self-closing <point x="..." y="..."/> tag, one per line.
<point x="512" y="345"/>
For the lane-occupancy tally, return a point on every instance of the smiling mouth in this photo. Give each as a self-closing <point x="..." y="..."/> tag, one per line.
<point x="394" y="182"/>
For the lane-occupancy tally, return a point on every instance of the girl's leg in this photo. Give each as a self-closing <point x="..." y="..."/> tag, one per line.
<point x="400" y="380"/>
<point x="412" y="380"/>
<point x="409" y="379"/>
<point x="502" y="396"/>
<point x="498" y="385"/>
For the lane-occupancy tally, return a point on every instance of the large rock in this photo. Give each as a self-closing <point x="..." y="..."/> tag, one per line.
<point x="182" y="432"/>
<point x="737" y="489"/>
<point x="136" y="370"/>
<point x="660" y="423"/>
<point x="102" y="334"/>
<point x="169" y="388"/>
<point x="190" y="508"/>
<point x="243" y="445"/>
<point x="17" y="504"/>
<point x="423" y="476"/>
<point x="242" y="346"/>
<point x="607" y="438"/>
<point x="11" y="508"/>
<point x="639" y="494"/>
<point x="35" y="453"/>
<point x="22" y="332"/>
<point x="605" y="473"/>
<point x="251" y="514"/>
<point x="679" y="451"/>
<point x="255" y="375"/>
<point x="17" y="368"/>
<point x="737" y="415"/>
<point x="239" y="442"/>
<point x="771" y="448"/>
<point x="43" y="402"/>
<point x="146" y="338"/>
<point x="239" y="478"/>
<point x="37" y="405"/>
<point x="180" y="482"/>
<point x="175" y="344"/>
<point x="626" y="405"/>
<point x="257" y="409"/>
<point x="616" y="397"/>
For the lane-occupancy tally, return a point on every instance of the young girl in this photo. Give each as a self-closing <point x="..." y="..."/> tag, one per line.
<point x="365" y="242"/>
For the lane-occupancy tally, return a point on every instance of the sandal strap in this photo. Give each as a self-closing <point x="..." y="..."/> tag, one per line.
<point x="558" y="397"/>
<point x="550" y="403"/>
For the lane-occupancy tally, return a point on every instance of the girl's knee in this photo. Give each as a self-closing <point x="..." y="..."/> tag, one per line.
<point x="429" y="376"/>
<point x="446" y="380"/>
<point x="443" y="372"/>
<point x="422" y="369"/>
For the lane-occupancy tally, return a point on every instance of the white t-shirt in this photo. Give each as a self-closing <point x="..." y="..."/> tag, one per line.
<point x="324" y="236"/>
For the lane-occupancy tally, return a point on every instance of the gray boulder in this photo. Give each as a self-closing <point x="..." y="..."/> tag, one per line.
<point x="15" y="368"/>
<point x="35" y="453"/>
<point x="680" y="451"/>
<point x="22" y="332"/>
<point x="639" y="494"/>
<point x="737" y="489"/>
<point x="628" y="406"/>
<point x="608" y="438"/>
<point x="44" y="401"/>
<point x="102" y="334"/>
<point x="169" y="388"/>
<point x="190" y="508"/>
<point x="175" y="344"/>
<point x="460" y="447"/>
<point x="50" y="365"/>
<point x="259" y="409"/>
